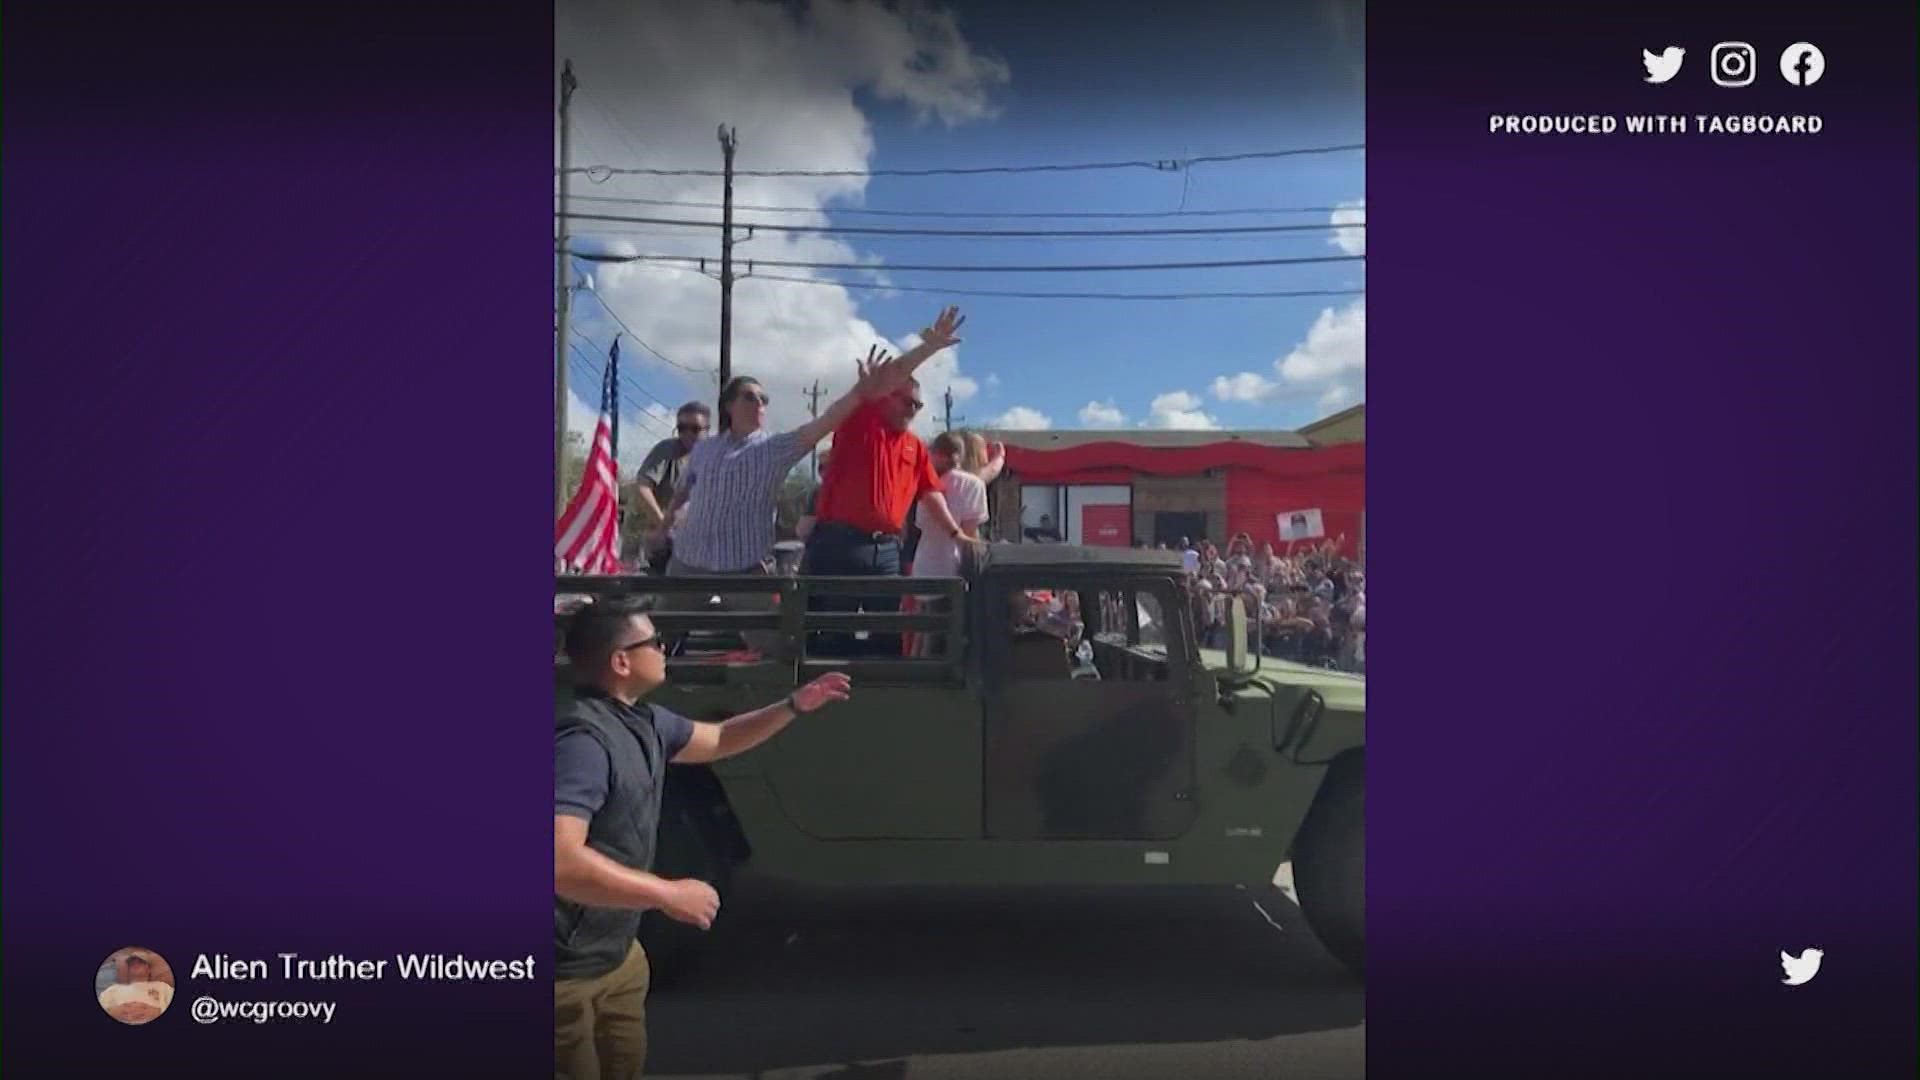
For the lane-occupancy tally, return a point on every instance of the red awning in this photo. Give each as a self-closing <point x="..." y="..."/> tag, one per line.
<point x="1114" y="462"/>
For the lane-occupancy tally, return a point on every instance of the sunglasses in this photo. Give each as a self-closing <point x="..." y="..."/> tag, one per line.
<point x="756" y="397"/>
<point x="653" y="642"/>
<point x="913" y="403"/>
<point x="691" y="429"/>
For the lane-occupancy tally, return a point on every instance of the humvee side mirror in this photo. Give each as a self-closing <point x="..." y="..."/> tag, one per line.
<point x="1236" y="636"/>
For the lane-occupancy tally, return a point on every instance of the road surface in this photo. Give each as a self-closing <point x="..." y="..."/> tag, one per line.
<point x="810" y="984"/>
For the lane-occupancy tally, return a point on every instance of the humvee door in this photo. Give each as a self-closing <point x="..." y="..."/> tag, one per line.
<point x="1100" y="748"/>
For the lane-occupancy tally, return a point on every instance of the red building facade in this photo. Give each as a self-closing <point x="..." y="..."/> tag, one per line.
<point x="1129" y="487"/>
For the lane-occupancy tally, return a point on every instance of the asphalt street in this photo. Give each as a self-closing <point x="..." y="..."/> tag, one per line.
<point x="808" y="984"/>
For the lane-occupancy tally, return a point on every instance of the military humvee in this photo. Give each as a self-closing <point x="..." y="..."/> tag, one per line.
<point x="1103" y="749"/>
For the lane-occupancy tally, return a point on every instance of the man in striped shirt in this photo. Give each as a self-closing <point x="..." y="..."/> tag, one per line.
<point x="732" y="481"/>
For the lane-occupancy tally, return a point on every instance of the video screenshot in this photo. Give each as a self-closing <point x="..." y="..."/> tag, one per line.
<point x="941" y="430"/>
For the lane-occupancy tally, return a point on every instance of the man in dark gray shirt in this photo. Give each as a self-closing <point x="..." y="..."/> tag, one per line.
<point x="660" y="474"/>
<point x="610" y="753"/>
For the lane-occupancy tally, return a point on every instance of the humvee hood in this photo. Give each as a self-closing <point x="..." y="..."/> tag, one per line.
<point x="1342" y="690"/>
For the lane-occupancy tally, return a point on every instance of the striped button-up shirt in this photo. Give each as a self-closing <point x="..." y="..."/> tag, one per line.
<point x="735" y="484"/>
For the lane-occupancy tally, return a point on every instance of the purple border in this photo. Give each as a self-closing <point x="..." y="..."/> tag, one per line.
<point x="1654" y="721"/>
<point x="252" y="253"/>
<point x="277" y="286"/>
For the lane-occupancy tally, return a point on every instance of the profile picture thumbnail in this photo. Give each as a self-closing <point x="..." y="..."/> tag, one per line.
<point x="134" y="985"/>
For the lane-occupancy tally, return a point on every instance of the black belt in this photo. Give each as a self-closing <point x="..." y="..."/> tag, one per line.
<point x="850" y="532"/>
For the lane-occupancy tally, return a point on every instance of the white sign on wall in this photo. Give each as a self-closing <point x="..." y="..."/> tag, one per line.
<point x="1302" y="525"/>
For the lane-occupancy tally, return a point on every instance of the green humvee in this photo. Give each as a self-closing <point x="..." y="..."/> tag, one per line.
<point x="1105" y="749"/>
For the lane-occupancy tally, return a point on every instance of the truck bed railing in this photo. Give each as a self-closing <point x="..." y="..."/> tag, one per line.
<point x="801" y="646"/>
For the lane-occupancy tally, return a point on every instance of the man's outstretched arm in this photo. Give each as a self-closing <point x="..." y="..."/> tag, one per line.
<point x="716" y="742"/>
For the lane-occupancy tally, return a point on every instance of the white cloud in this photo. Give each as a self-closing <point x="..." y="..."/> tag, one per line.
<point x="915" y="55"/>
<point x="993" y="382"/>
<point x="1021" y="418"/>
<point x="1328" y="366"/>
<point x="1102" y="414"/>
<point x="657" y="78"/>
<point x="1179" y="411"/>
<point x="1246" y="387"/>
<point x="1336" y="345"/>
<point x="657" y="416"/>
<point x="1353" y="241"/>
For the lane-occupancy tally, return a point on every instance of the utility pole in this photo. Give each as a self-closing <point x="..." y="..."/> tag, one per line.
<point x="813" y="410"/>
<point x="728" y="140"/>
<point x="562" y="297"/>
<point x="948" y="415"/>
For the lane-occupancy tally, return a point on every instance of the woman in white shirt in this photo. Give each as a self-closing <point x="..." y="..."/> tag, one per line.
<point x="966" y="492"/>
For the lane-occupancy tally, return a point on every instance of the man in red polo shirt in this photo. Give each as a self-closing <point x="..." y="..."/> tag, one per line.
<point x="877" y="471"/>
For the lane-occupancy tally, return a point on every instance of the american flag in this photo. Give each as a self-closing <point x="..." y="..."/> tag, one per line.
<point x="588" y="534"/>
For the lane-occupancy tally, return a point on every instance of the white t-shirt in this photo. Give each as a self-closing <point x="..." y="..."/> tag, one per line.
<point x="939" y="554"/>
<point x="157" y="994"/>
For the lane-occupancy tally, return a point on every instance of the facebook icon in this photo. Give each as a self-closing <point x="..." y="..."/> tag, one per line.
<point x="1802" y="64"/>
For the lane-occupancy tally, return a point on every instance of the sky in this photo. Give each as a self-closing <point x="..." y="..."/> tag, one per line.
<point x="856" y="86"/>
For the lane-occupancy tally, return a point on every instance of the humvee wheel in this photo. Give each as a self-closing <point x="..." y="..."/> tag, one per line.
<point x="685" y="849"/>
<point x="1329" y="862"/>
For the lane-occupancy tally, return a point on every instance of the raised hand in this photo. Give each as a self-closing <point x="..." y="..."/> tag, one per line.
<point x="881" y="373"/>
<point x="876" y="357"/>
<point x="942" y="334"/>
<point x="822" y="692"/>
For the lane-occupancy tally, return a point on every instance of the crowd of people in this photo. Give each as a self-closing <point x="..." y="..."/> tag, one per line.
<point x="1307" y="603"/>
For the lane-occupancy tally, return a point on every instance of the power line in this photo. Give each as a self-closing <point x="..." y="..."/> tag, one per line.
<point x="982" y="214"/>
<point x="608" y="308"/>
<point x="876" y="286"/>
<point x="585" y="363"/>
<point x="642" y="232"/>
<point x="633" y="384"/>
<point x="620" y="129"/>
<point x="627" y="378"/>
<point x="879" y="230"/>
<point x="600" y="173"/>
<point x="1083" y="268"/>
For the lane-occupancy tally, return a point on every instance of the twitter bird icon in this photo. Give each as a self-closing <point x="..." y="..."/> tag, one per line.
<point x="1801" y="969"/>
<point x="1664" y="65"/>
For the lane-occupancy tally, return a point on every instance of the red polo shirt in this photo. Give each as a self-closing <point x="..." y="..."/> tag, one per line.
<point x="874" y="474"/>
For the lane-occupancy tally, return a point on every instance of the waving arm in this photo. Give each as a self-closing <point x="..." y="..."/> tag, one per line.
<point x="881" y="375"/>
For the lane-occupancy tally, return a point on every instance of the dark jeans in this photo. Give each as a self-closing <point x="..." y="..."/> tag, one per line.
<point x="838" y="551"/>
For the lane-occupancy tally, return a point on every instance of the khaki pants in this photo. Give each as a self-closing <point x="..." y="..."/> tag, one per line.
<point x="600" y="1025"/>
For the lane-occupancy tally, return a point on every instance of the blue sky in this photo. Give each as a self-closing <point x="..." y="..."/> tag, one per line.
<point x="990" y="84"/>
